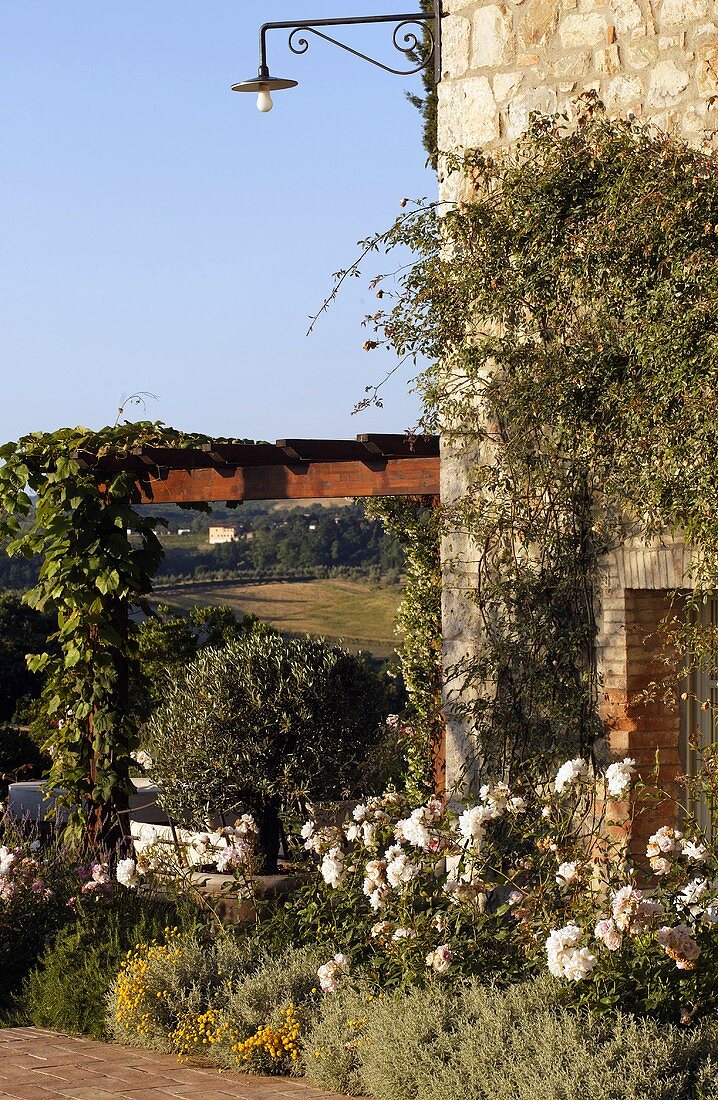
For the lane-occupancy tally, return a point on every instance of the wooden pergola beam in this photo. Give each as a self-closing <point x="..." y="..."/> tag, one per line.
<point x="388" y="477"/>
<point x="291" y="469"/>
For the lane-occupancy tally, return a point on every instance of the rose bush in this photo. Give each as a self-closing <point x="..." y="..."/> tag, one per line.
<point x="528" y="878"/>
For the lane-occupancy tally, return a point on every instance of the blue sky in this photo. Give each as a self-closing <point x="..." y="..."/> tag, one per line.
<point x="158" y="233"/>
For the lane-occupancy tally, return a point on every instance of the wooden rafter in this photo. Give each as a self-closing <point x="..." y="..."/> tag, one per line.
<point x="290" y="469"/>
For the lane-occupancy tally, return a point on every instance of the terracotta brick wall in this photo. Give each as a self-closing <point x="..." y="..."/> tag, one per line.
<point x="634" y="655"/>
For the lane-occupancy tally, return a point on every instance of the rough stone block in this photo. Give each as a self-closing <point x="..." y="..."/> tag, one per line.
<point x="539" y="22"/>
<point x="640" y="55"/>
<point x="505" y="84"/>
<point x="626" y="15"/>
<point x="707" y="71"/>
<point x="667" y="83"/>
<point x="623" y="91"/>
<point x="455" y="46"/>
<point x="583" y="29"/>
<point x="673" y="13"/>
<point x="608" y="60"/>
<point x="542" y="100"/>
<point x="492" y="40"/>
<point x="571" y="66"/>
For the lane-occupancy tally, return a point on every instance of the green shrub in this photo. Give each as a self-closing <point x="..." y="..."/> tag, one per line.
<point x="263" y="723"/>
<point x="67" y="991"/>
<point x="486" y="1044"/>
<point x="162" y="984"/>
<point x="220" y="998"/>
<point x="263" y="997"/>
<point x="169" y="639"/>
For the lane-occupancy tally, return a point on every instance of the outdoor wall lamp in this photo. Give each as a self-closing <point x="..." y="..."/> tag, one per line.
<point x="419" y="49"/>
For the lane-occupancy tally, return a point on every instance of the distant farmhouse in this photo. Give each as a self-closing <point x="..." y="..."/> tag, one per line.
<point x="223" y="532"/>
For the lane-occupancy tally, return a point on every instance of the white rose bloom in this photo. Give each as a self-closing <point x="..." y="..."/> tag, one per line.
<point x="567" y="874"/>
<point x="142" y="758"/>
<point x="472" y="821"/>
<point x="311" y="840"/>
<point x="403" y="934"/>
<point x="570" y="773"/>
<point x="517" y="805"/>
<point x="331" y="972"/>
<point x="351" y="832"/>
<point x="127" y="873"/>
<point x="440" y="958"/>
<point x="565" y="958"/>
<point x="667" y="841"/>
<point x="7" y="858"/>
<point x="100" y="873"/>
<point x="607" y="932"/>
<point x="360" y="812"/>
<point x="690" y="897"/>
<point x="579" y="963"/>
<point x="624" y="906"/>
<point x="400" y="871"/>
<point x="378" y="897"/>
<point x="234" y="855"/>
<point x="695" y="852"/>
<point x="374" y="874"/>
<point x="619" y="777"/>
<point x="368" y="834"/>
<point x="413" y="830"/>
<point x="434" y="809"/>
<point x="246" y="825"/>
<point x="458" y="891"/>
<point x="495" y="798"/>
<point x="678" y="943"/>
<point x="332" y="867"/>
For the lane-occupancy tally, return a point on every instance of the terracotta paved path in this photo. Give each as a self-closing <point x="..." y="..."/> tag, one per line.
<point x="44" y="1065"/>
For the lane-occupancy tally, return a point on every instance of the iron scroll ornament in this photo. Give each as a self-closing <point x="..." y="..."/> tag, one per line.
<point x="419" y="48"/>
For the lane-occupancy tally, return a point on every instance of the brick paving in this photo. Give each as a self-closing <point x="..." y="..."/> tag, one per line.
<point x="43" y="1065"/>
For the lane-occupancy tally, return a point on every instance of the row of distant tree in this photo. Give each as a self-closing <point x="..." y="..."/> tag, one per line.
<point x="269" y="542"/>
<point x="294" y="541"/>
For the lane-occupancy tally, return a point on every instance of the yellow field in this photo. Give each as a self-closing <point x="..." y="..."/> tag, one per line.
<point x="360" y="615"/>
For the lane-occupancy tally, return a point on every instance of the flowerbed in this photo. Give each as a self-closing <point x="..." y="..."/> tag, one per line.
<point x="529" y="892"/>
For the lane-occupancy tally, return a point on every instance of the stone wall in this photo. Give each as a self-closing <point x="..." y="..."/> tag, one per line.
<point x="500" y="62"/>
<point x="657" y="61"/>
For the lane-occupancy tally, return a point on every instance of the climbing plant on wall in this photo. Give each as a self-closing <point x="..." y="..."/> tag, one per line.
<point x="414" y="522"/>
<point x="53" y="505"/>
<point x="568" y="307"/>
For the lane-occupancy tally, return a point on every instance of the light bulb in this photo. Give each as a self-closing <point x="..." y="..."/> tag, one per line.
<point x="264" y="100"/>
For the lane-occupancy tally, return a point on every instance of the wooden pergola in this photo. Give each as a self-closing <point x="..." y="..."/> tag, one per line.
<point x="290" y="469"/>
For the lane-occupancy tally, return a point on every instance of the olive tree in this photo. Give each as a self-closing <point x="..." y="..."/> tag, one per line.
<point x="262" y="724"/>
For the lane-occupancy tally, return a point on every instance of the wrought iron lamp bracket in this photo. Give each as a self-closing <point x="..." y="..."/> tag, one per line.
<point x="420" y="49"/>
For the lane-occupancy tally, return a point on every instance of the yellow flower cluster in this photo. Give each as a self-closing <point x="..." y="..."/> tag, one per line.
<point x="358" y="1026"/>
<point x="203" y="1030"/>
<point x="135" y="1008"/>
<point x="274" y="1041"/>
